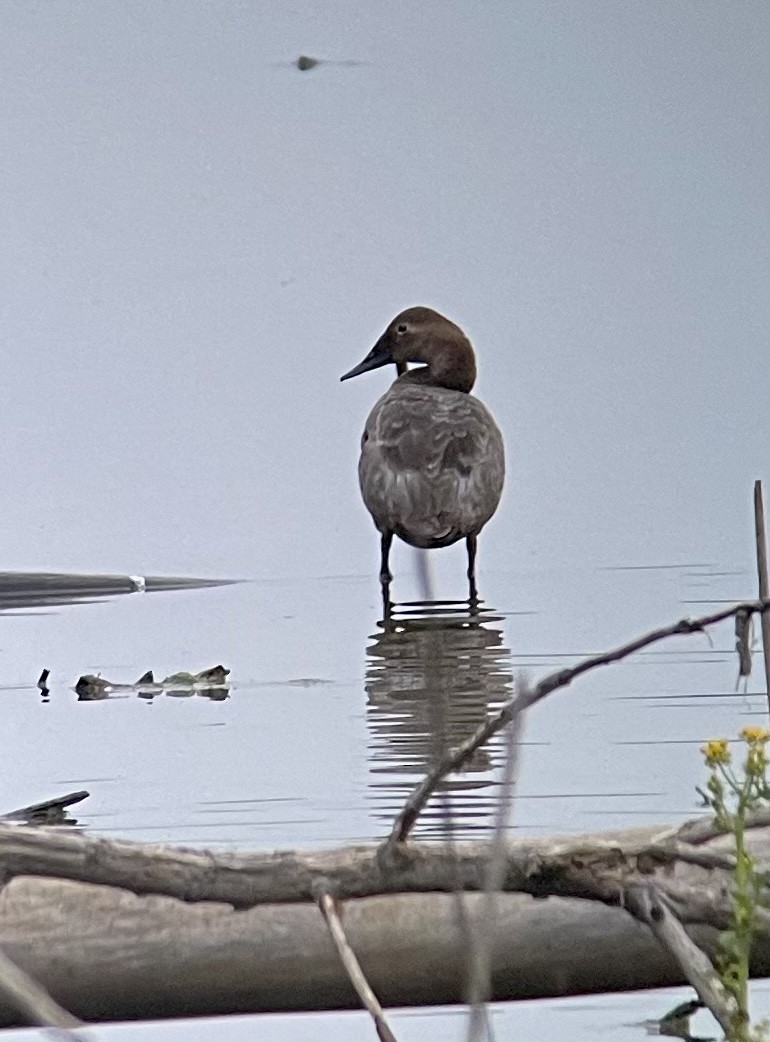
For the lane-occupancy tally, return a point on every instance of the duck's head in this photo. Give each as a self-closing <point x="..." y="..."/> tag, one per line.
<point x="423" y="335"/>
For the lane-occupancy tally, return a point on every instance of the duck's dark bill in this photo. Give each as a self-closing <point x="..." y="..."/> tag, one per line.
<point x="378" y="356"/>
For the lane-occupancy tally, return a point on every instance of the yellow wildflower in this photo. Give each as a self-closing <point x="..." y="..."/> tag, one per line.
<point x="716" y="751"/>
<point x="754" y="733"/>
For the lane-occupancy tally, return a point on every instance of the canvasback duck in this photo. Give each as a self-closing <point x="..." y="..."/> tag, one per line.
<point x="432" y="459"/>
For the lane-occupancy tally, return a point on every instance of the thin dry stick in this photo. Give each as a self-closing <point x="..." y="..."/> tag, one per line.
<point x="348" y="957"/>
<point x="464" y="923"/>
<point x="31" y="999"/>
<point x="764" y="585"/>
<point x="424" y="569"/>
<point x="651" y="907"/>
<point x="701" y="830"/>
<point x="456" y="757"/>
<point x="479" y="986"/>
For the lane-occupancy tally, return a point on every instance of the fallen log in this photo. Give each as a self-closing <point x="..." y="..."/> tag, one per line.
<point x="113" y="929"/>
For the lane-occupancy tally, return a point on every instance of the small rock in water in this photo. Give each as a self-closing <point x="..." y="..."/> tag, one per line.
<point x="215" y="675"/>
<point x="90" y="687"/>
<point x="182" y="679"/>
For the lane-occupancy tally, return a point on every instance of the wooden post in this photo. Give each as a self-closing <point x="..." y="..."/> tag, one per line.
<point x="764" y="586"/>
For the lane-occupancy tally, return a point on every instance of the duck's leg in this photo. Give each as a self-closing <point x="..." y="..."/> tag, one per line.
<point x="473" y="593"/>
<point x="385" y="576"/>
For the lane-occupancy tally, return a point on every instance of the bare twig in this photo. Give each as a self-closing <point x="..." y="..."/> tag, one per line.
<point x="465" y="925"/>
<point x="764" y="584"/>
<point x="671" y="851"/>
<point x="456" y="757"/>
<point x="439" y="743"/>
<point x="479" y="985"/>
<point x="650" y="907"/>
<point x="424" y="569"/>
<point x="328" y="908"/>
<point x="30" y="999"/>
<point x="701" y="830"/>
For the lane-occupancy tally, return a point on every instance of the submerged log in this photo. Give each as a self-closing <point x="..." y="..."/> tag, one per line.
<point x="21" y="590"/>
<point x="120" y="930"/>
<point x="53" y="811"/>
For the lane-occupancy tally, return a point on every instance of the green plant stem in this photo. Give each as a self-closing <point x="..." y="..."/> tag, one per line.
<point x="742" y="912"/>
<point x="734" y="792"/>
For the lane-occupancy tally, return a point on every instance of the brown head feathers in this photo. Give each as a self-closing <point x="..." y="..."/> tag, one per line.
<point x="422" y="335"/>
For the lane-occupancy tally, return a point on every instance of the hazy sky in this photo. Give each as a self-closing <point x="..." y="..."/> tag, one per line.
<point x="196" y="240"/>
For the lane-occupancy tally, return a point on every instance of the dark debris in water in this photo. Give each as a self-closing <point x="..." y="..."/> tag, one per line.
<point x="211" y="683"/>
<point x="305" y="63"/>
<point x="42" y="684"/>
<point x="676" y="1023"/>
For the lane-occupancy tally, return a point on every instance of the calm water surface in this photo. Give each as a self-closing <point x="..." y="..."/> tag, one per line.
<point x="330" y="717"/>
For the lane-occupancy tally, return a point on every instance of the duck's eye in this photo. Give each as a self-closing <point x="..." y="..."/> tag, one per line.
<point x="401" y="329"/>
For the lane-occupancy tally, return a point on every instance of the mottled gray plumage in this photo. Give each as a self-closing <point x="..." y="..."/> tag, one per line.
<point x="432" y="464"/>
<point x="432" y="459"/>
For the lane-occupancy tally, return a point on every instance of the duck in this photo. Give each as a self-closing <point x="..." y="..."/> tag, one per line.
<point x="432" y="463"/>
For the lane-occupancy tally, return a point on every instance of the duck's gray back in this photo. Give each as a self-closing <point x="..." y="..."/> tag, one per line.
<point x="432" y="464"/>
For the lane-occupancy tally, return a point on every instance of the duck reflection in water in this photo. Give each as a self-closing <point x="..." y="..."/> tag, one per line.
<point x="432" y="677"/>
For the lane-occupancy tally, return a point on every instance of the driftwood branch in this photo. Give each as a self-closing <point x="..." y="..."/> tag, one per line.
<point x="30" y="999"/>
<point x="99" y="953"/>
<point x="591" y="867"/>
<point x="651" y="908"/>
<point x="352" y="966"/>
<point x="702" y="830"/>
<point x="455" y="758"/>
<point x="673" y="851"/>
